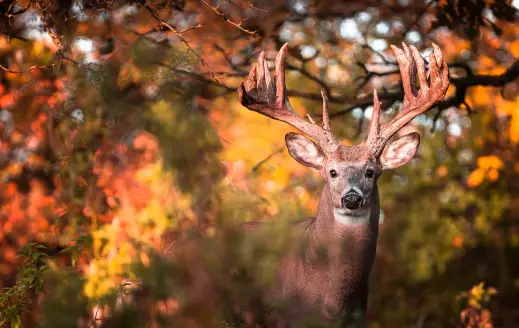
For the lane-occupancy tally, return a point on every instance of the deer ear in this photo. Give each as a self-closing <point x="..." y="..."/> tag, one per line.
<point x="304" y="150"/>
<point x="400" y="151"/>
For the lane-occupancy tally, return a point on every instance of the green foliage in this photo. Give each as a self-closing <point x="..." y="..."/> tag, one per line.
<point x="30" y="281"/>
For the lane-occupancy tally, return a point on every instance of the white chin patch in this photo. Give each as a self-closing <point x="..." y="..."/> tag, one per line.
<point x="345" y="216"/>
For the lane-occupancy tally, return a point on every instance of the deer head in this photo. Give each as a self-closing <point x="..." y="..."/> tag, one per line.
<point x="350" y="171"/>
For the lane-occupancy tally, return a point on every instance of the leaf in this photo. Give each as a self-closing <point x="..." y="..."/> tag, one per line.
<point x="493" y="174"/>
<point x="16" y="322"/>
<point x="488" y="162"/>
<point x="442" y="171"/>
<point x="514" y="127"/>
<point x="476" y="178"/>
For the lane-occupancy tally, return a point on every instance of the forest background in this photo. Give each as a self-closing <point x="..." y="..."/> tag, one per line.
<point x="119" y="125"/>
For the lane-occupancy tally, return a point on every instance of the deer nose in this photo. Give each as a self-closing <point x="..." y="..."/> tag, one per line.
<point x="352" y="200"/>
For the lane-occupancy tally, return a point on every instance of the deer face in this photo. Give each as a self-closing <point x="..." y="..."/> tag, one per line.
<point x="351" y="172"/>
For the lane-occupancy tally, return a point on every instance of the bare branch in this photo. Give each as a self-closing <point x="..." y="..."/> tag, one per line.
<point x="266" y="159"/>
<point x="226" y="18"/>
<point x="8" y="70"/>
<point x="162" y="23"/>
<point x="11" y="15"/>
<point x="256" y="8"/>
<point x="53" y="36"/>
<point x="60" y="56"/>
<point x="191" y="28"/>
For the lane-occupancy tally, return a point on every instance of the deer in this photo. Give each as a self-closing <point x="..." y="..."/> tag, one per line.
<point x="347" y="219"/>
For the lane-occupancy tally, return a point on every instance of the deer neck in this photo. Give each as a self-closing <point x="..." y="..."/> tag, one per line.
<point x="350" y="242"/>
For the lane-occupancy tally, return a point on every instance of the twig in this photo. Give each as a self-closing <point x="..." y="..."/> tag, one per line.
<point x="90" y="12"/>
<point x="254" y="7"/>
<point x="191" y="28"/>
<point x="21" y="11"/>
<point x="380" y="55"/>
<point x="228" y="60"/>
<point x="266" y="159"/>
<point x="26" y="69"/>
<point x="79" y="14"/>
<point x="156" y="16"/>
<point x="199" y="77"/>
<point x="370" y="74"/>
<point x="53" y="36"/>
<point x="95" y="318"/>
<point x="317" y="80"/>
<point x="472" y="80"/>
<point x="226" y="18"/>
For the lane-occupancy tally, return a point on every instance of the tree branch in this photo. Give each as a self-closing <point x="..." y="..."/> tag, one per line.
<point x="458" y="99"/>
<point x="163" y="24"/>
<point x="226" y="18"/>
<point x="471" y="80"/>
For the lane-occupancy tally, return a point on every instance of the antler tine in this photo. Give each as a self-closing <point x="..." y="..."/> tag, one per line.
<point x="374" y="127"/>
<point x="411" y="64"/>
<point x="281" y="97"/>
<point x="326" y="118"/>
<point x="261" y="95"/>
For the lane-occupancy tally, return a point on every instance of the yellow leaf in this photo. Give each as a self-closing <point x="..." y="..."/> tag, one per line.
<point x="479" y="96"/>
<point x="474" y="303"/>
<point x="505" y="107"/>
<point x="477" y="291"/>
<point x="476" y="178"/>
<point x="37" y="49"/>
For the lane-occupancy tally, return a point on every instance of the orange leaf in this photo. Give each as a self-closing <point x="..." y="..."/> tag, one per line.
<point x="6" y="100"/>
<point x="493" y="174"/>
<point x="488" y="162"/>
<point x="514" y="127"/>
<point x="476" y="178"/>
<point x="457" y="241"/>
<point x="514" y="48"/>
<point x="442" y="171"/>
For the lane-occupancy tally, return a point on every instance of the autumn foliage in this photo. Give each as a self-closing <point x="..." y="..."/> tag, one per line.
<point x="120" y="129"/>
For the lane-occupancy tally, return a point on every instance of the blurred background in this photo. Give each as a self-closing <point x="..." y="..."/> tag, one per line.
<point x="120" y="127"/>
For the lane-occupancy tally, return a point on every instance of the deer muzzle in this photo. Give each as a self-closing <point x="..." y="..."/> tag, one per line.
<point x="352" y="200"/>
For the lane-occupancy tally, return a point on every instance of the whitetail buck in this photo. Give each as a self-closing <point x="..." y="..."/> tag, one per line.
<point x="346" y="225"/>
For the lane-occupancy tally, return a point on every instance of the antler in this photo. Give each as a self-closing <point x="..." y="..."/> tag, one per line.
<point x="415" y="103"/>
<point x="261" y="95"/>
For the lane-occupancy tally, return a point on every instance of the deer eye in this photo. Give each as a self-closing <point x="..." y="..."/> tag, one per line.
<point x="370" y="173"/>
<point x="333" y="173"/>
